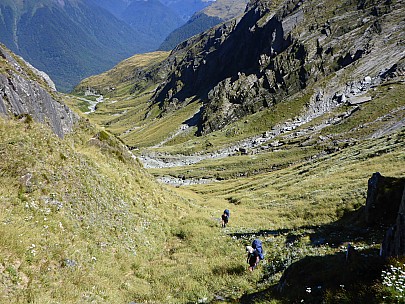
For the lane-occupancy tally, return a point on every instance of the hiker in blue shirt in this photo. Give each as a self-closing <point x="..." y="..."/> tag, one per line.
<point x="255" y="254"/>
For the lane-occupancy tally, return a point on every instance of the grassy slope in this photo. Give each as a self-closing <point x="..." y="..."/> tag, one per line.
<point x="85" y="204"/>
<point x="81" y="213"/>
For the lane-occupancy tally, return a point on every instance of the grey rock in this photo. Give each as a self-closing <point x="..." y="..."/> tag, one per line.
<point x="220" y="298"/>
<point x="20" y="94"/>
<point x="41" y="74"/>
<point x="384" y="196"/>
<point x="394" y="241"/>
<point x="359" y="100"/>
<point x="69" y="263"/>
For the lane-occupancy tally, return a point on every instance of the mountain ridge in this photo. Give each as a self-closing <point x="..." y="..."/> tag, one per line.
<point x="217" y="12"/>
<point x="69" y="39"/>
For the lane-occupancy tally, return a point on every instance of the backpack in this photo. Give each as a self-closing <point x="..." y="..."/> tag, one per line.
<point x="257" y="244"/>
<point x="227" y="212"/>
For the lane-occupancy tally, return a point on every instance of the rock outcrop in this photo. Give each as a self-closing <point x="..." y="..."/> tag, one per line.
<point x="24" y="91"/>
<point x="385" y="207"/>
<point x="394" y="240"/>
<point x="383" y="201"/>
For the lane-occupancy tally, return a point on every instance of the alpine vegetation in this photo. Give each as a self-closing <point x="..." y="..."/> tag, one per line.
<point x="261" y="161"/>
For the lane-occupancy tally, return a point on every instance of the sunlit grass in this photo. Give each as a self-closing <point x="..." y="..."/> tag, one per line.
<point x="91" y="226"/>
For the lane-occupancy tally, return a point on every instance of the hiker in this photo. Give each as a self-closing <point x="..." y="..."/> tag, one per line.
<point x="350" y="253"/>
<point x="225" y="218"/>
<point x="257" y="254"/>
<point x="253" y="258"/>
<point x="257" y="245"/>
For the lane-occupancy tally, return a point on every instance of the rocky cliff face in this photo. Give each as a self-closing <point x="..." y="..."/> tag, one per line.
<point x="25" y="90"/>
<point x="335" y="50"/>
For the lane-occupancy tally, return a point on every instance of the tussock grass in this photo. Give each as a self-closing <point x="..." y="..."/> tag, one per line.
<point x="81" y="221"/>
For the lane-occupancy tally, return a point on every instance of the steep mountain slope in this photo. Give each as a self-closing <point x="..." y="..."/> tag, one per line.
<point x="69" y="39"/>
<point x="217" y="12"/>
<point x="272" y="53"/>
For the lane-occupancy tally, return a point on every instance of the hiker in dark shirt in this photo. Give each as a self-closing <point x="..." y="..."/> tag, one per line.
<point x="225" y="218"/>
<point x="252" y="258"/>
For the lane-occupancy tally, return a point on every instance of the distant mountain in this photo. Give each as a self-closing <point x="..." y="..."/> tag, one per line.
<point x="116" y="7"/>
<point x="68" y="39"/>
<point x="186" y="8"/>
<point x="182" y="8"/>
<point x="152" y="18"/>
<point x="216" y="13"/>
<point x="156" y="18"/>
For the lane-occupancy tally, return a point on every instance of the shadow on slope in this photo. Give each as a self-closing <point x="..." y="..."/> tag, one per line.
<point x="346" y="276"/>
<point x="348" y="229"/>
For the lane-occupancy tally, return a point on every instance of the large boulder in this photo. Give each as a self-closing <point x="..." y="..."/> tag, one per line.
<point x="384" y="196"/>
<point x="394" y="241"/>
